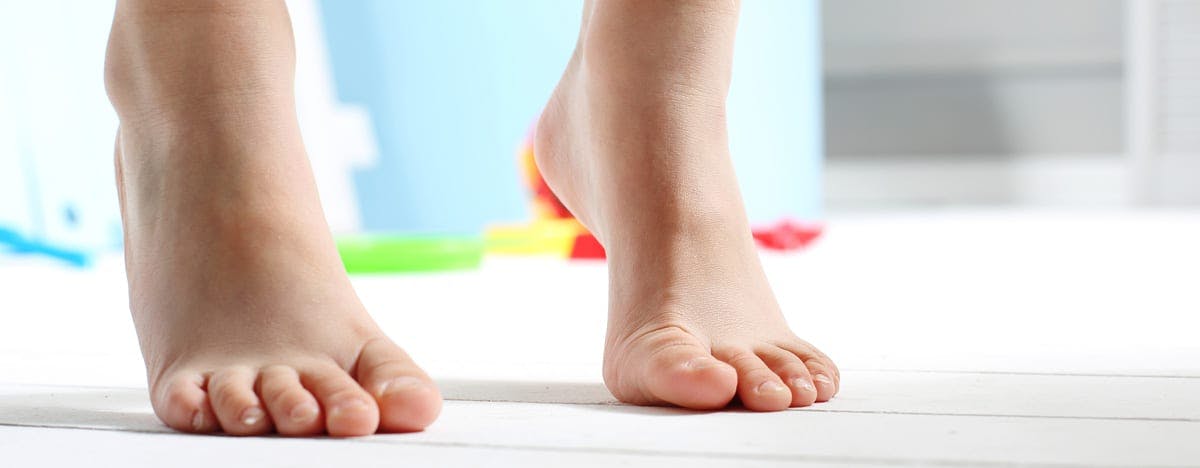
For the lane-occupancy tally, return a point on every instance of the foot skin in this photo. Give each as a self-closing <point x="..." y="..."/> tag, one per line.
<point x="246" y="319"/>
<point x="633" y="141"/>
<point x="245" y="316"/>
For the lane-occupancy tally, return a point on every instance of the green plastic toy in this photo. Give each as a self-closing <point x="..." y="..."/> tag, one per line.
<point x="399" y="253"/>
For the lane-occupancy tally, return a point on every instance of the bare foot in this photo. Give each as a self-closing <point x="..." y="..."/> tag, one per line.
<point x="633" y="141"/>
<point x="246" y="319"/>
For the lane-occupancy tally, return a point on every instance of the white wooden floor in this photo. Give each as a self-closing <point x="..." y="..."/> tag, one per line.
<point x="965" y="338"/>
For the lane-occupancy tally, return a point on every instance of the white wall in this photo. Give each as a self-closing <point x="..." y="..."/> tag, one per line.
<point x="961" y="77"/>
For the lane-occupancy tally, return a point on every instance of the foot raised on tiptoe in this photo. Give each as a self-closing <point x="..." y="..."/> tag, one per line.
<point x="634" y="142"/>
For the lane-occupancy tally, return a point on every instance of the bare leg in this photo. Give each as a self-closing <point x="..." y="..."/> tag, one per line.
<point x="245" y="316"/>
<point x="634" y="143"/>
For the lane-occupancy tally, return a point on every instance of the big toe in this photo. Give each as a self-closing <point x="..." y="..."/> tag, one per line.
<point x="673" y="367"/>
<point x="408" y="399"/>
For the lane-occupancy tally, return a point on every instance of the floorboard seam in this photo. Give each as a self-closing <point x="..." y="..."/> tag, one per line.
<point x="1024" y="373"/>
<point x="994" y="415"/>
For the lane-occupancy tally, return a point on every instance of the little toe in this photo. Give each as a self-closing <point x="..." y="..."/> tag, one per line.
<point x="791" y="369"/>
<point x="293" y="409"/>
<point x="231" y="394"/>
<point x="182" y="403"/>
<point x="408" y="399"/>
<point x="758" y="387"/>
<point x="674" y="369"/>
<point x="349" y="410"/>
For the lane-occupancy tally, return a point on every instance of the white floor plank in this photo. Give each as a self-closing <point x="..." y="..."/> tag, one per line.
<point x="801" y="436"/>
<point x="1056" y="396"/>
<point x="888" y="423"/>
<point x="101" y="449"/>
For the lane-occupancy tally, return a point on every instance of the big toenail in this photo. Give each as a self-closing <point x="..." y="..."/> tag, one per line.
<point x="822" y="378"/>
<point x="304" y="412"/>
<point x="771" y="386"/>
<point x="252" y="416"/>
<point x="400" y="384"/>
<point x="198" y="421"/>
<point x="702" y="363"/>
<point x="802" y="383"/>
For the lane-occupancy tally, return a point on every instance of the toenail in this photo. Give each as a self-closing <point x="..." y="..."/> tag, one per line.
<point x="198" y="421"/>
<point x="702" y="363"/>
<point x="822" y="378"/>
<point x="304" y="412"/>
<point x="400" y="384"/>
<point x="348" y="406"/>
<point x="771" y="386"/>
<point x="801" y="383"/>
<point x="252" y="416"/>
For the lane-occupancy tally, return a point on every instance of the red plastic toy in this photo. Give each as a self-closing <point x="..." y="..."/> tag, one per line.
<point x="787" y="235"/>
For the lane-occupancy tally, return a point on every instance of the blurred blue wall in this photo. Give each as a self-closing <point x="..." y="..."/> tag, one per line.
<point x="775" y="110"/>
<point x="453" y="87"/>
<point x="56" y="126"/>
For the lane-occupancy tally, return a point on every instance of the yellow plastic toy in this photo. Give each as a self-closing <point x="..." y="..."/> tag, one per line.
<point x="554" y="231"/>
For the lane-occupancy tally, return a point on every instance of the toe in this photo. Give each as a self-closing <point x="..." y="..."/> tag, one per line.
<point x="408" y="399"/>
<point x="824" y="377"/>
<point x="349" y="410"/>
<point x="757" y="387"/>
<point x="672" y="367"/>
<point x="182" y="404"/>
<point x="293" y="410"/>
<point x="791" y="369"/>
<point x="231" y="394"/>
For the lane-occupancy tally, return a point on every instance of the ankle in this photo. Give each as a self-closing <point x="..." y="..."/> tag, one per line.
<point x="673" y="48"/>
<point x="173" y="60"/>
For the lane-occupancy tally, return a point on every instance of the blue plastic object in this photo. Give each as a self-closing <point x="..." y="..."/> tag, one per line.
<point x="18" y="244"/>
